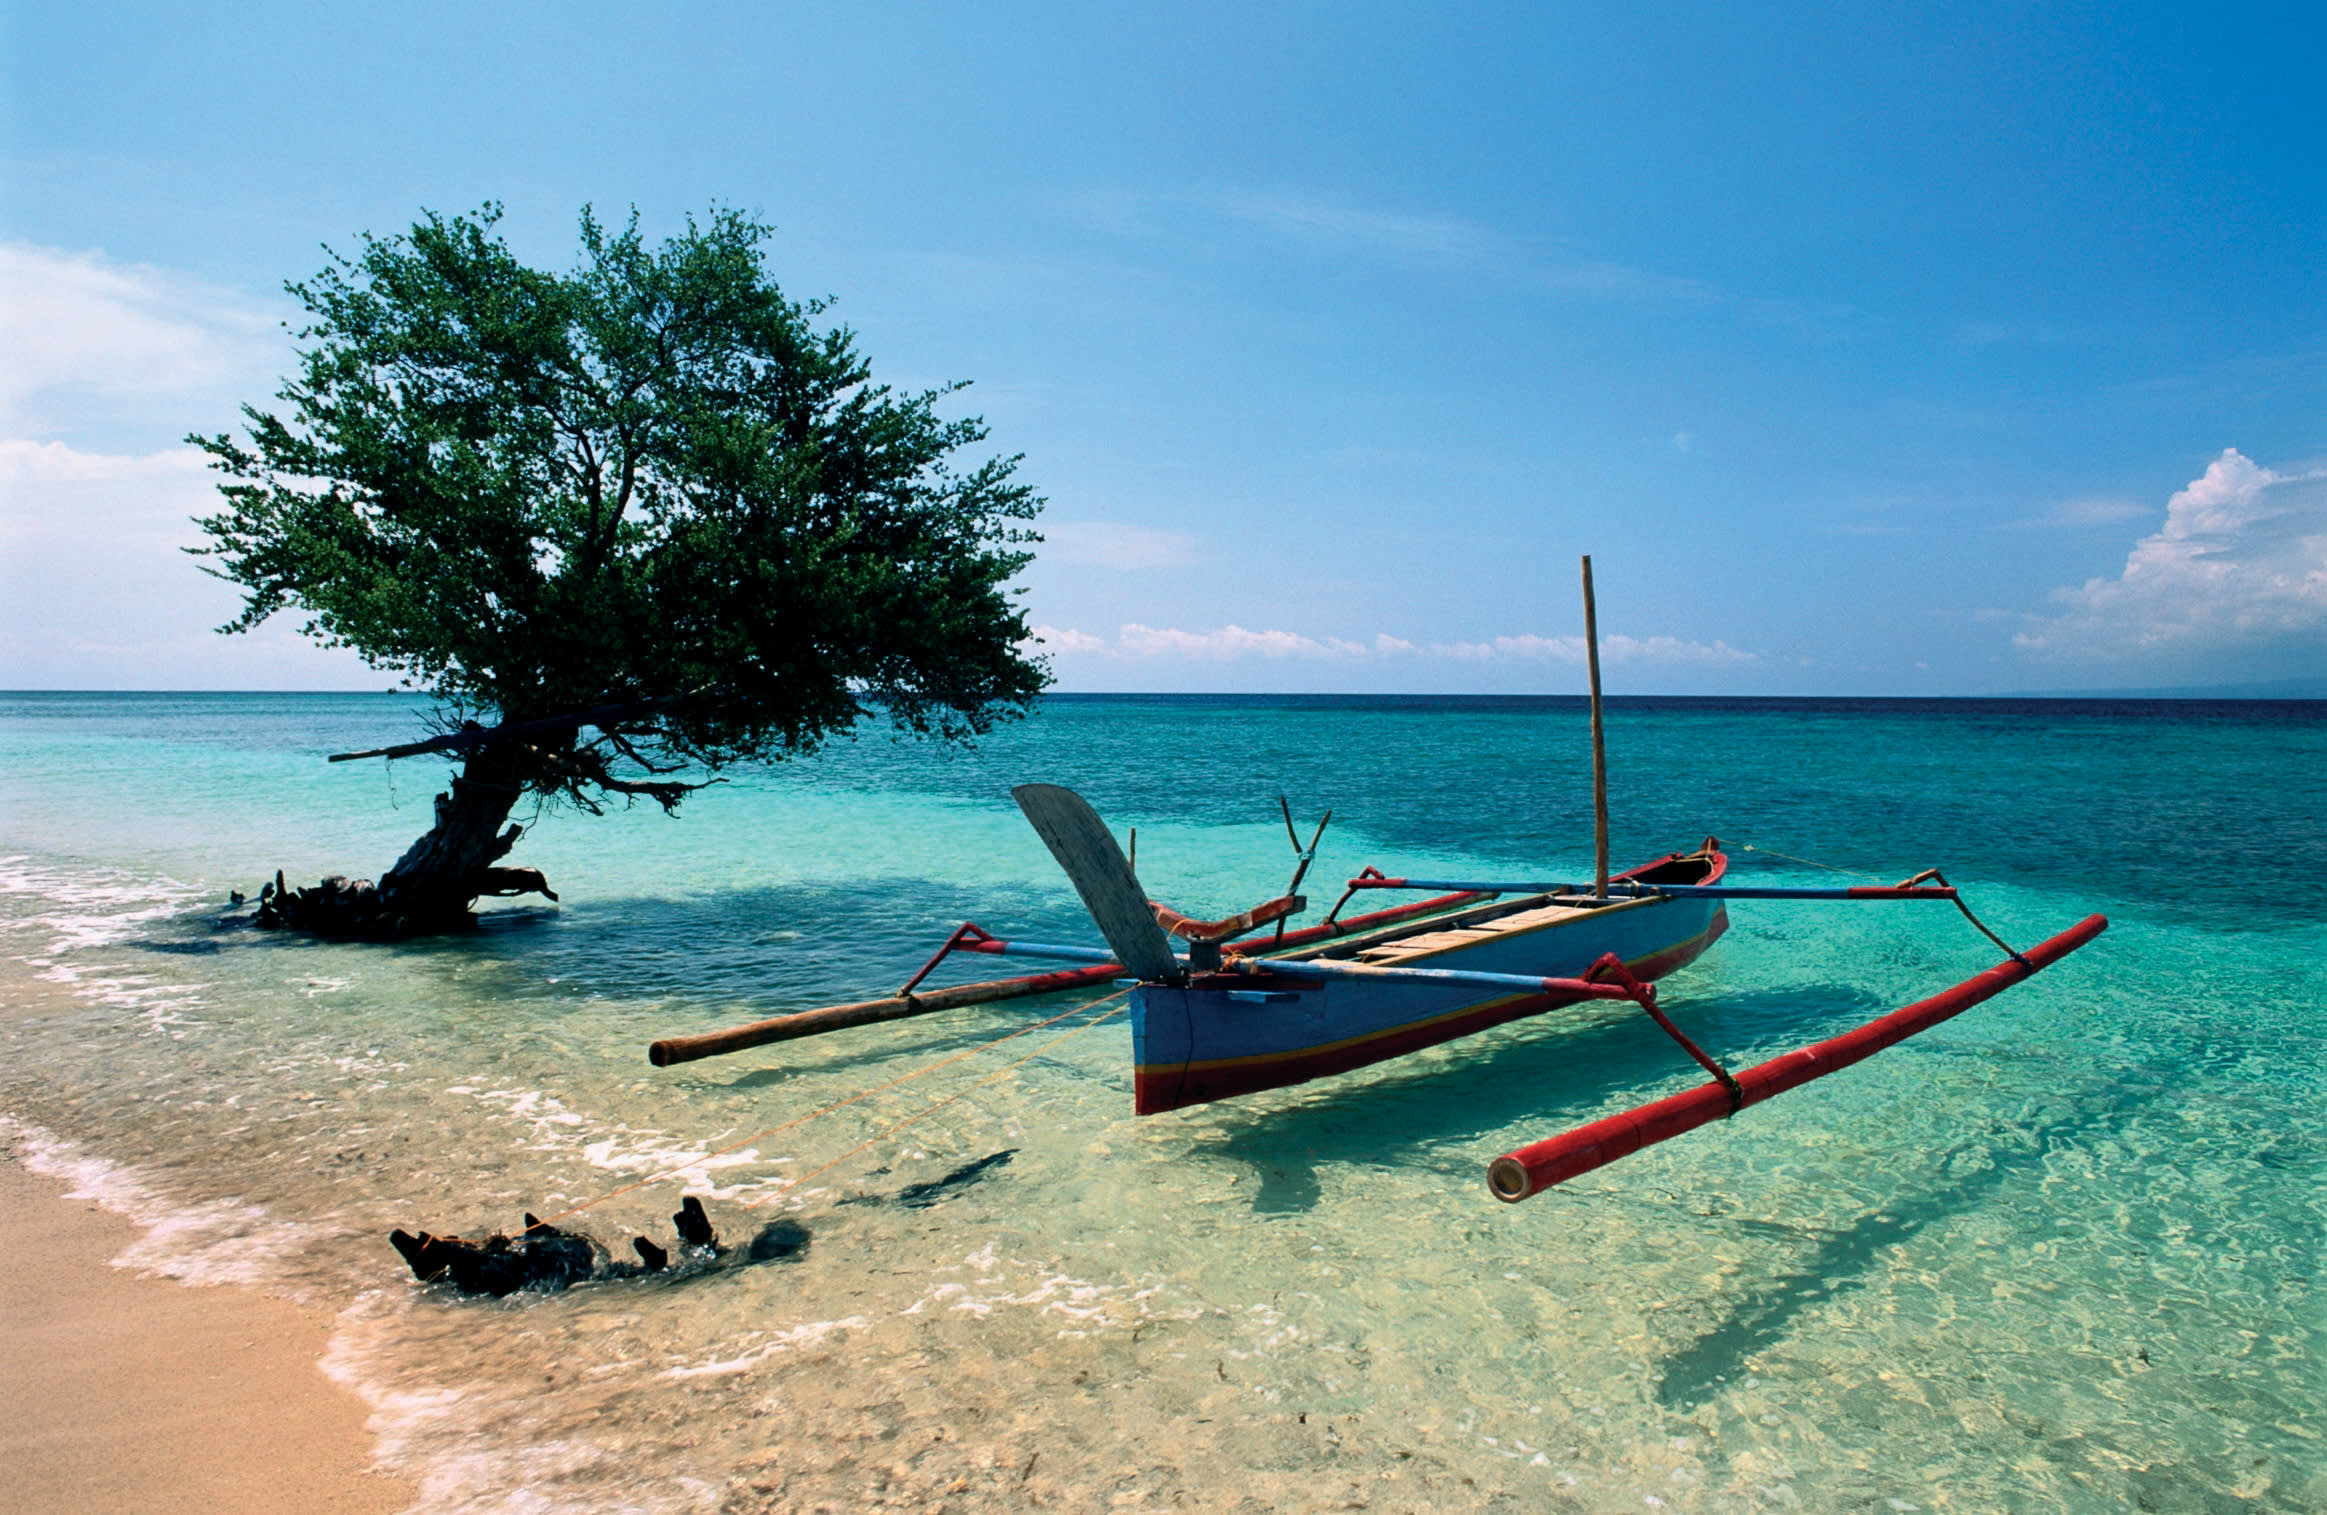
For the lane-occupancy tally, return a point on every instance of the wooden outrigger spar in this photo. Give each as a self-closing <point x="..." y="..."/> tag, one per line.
<point x="1212" y="1020"/>
<point x="906" y="1003"/>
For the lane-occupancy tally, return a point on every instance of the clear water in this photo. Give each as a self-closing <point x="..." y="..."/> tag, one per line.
<point x="2062" y="1253"/>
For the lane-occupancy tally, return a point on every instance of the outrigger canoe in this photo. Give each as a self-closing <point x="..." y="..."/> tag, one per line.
<point x="1207" y="1027"/>
<point x="1213" y="1019"/>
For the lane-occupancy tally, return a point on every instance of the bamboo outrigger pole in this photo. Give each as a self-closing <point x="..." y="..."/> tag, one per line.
<point x="1599" y="743"/>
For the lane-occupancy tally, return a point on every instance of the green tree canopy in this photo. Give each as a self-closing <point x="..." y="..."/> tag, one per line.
<point x="531" y="492"/>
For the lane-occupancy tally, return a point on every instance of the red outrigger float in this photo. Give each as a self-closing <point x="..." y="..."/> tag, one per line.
<point x="1215" y="1020"/>
<point x="1536" y="1167"/>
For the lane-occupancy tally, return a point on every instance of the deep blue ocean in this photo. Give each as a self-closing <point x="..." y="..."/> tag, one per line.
<point x="2062" y="1253"/>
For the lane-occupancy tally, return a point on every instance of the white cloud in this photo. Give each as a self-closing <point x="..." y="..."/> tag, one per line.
<point x="1326" y="221"/>
<point x="65" y="513"/>
<point x="24" y="462"/>
<point x="1235" y="643"/>
<point x="1661" y="650"/>
<point x="1528" y="648"/>
<point x="2076" y="514"/>
<point x="1230" y="643"/>
<point x="1115" y="545"/>
<point x="1067" y="639"/>
<point x="78" y="327"/>
<point x="2240" y="565"/>
<point x="103" y="367"/>
<point x="96" y="594"/>
<point x="1673" y="651"/>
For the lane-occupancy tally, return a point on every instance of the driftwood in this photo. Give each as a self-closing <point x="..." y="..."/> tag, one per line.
<point x="544" y="1258"/>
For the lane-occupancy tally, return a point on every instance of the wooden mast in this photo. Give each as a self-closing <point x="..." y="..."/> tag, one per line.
<point x="1599" y="743"/>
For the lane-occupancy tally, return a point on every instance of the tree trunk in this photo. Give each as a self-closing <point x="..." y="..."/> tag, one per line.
<point x="439" y="876"/>
<point x="432" y="878"/>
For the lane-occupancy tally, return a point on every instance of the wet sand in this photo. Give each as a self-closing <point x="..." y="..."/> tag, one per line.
<point x="135" y="1393"/>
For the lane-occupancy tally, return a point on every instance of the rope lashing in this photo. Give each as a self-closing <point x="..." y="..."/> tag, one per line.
<point x="1928" y="875"/>
<point x="1978" y="925"/>
<point x="1610" y="969"/>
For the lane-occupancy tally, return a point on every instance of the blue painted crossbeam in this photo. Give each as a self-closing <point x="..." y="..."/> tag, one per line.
<point x="1521" y="982"/>
<point x="1618" y="889"/>
<point x="1043" y="949"/>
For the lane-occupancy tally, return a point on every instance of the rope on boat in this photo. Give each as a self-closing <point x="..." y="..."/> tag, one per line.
<point x="865" y="1094"/>
<point x="1806" y="862"/>
<point x="1928" y="874"/>
<point x="1610" y="968"/>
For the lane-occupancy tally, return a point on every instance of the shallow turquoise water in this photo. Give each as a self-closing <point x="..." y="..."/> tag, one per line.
<point x="2060" y="1253"/>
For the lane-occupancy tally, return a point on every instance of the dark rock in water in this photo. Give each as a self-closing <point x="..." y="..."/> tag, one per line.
<point x="922" y="1196"/>
<point x="778" y="1239"/>
<point x="178" y="949"/>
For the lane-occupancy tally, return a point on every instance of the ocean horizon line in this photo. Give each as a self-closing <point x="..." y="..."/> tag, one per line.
<point x="2288" y="692"/>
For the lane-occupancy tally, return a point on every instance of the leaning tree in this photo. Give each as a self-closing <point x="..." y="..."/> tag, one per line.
<point x="651" y="489"/>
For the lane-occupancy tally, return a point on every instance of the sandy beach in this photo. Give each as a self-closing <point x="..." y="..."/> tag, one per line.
<point x="133" y="1393"/>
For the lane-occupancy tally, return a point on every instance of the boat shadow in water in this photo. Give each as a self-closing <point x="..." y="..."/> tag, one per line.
<point x="1840" y="1261"/>
<point x="1837" y="1263"/>
<point x="1437" y="1108"/>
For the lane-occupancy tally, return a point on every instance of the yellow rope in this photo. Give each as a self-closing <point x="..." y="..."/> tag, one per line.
<point x="842" y="1104"/>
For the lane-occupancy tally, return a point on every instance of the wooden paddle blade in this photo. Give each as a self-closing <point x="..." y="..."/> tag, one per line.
<point x="1086" y="850"/>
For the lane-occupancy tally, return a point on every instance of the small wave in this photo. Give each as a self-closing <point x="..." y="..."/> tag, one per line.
<point x="220" y="1241"/>
<point x="812" y="1333"/>
<point x="84" y="908"/>
<point x="453" y="1440"/>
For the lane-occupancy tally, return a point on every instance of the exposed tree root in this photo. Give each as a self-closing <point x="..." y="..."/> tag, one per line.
<point x="357" y="910"/>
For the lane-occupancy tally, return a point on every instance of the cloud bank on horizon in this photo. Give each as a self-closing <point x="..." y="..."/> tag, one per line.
<point x="2239" y="566"/>
<point x="1135" y="642"/>
<point x="96" y="591"/>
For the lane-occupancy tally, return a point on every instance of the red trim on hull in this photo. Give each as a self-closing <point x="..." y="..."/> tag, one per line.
<point x="1174" y="1087"/>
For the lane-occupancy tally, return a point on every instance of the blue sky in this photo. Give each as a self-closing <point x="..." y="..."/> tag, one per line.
<point x="1941" y="350"/>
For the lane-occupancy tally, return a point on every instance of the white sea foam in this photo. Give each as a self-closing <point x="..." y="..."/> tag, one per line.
<point x="91" y="908"/>
<point x="762" y="1346"/>
<point x="220" y="1241"/>
<point x="648" y="1153"/>
<point x="453" y="1441"/>
<point x="449" y="1439"/>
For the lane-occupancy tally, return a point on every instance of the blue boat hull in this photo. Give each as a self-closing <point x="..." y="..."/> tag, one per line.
<point x="1222" y="1035"/>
